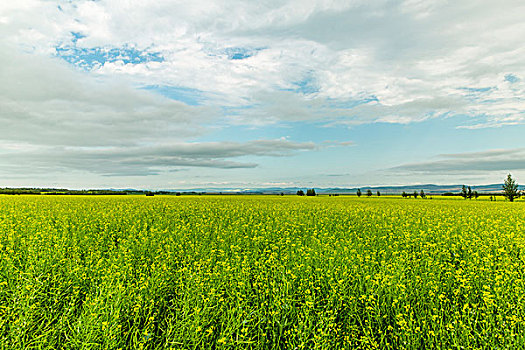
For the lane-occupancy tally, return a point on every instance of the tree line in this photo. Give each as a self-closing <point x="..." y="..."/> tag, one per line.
<point x="309" y="192"/>
<point x="59" y="191"/>
<point x="510" y="192"/>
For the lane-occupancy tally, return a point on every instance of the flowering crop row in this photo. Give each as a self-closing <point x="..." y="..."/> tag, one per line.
<point x="130" y="272"/>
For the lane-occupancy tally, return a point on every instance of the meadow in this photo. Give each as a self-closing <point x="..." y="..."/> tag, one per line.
<point x="260" y="272"/>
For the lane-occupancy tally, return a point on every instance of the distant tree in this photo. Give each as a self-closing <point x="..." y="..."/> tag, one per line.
<point x="282" y="193"/>
<point x="476" y="194"/>
<point x="491" y="198"/>
<point x="464" y="192"/>
<point x="358" y="192"/>
<point x="378" y="194"/>
<point x="469" y="193"/>
<point x="404" y="194"/>
<point x="310" y="192"/>
<point x="369" y="193"/>
<point x="422" y="194"/>
<point x="415" y="194"/>
<point x="300" y="193"/>
<point x="510" y="188"/>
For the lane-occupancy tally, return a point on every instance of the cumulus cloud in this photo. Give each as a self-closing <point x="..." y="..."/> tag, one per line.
<point x="46" y="102"/>
<point x="414" y="58"/>
<point x="86" y="78"/>
<point x="58" y="119"/>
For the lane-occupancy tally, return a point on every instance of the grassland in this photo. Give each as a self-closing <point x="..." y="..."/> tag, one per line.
<point x="130" y="272"/>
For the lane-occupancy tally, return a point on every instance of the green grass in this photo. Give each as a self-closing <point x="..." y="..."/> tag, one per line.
<point x="261" y="272"/>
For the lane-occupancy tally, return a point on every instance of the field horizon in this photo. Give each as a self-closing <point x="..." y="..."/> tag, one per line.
<point x="384" y="189"/>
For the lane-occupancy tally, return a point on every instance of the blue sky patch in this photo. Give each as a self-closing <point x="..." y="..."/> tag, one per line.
<point x="511" y="78"/>
<point x="240" y="53"/>
<point x="306" y="86"/>
<point x="88" y="58"/>
<point x="77" y="36"/>
<point x="476" y="94"/>
<point x="474" y="90"/>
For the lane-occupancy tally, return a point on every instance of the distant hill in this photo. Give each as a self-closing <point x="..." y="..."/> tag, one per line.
<point x="427" y="188"/>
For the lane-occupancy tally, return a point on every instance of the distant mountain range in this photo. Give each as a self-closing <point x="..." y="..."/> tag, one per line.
<point x="427" y="188"/>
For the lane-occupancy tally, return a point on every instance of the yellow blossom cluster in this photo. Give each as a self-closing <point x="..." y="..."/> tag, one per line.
<point x="260" y="272"/>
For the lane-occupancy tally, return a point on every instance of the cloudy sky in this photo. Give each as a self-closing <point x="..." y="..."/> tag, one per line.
<point x="182" y="94"/>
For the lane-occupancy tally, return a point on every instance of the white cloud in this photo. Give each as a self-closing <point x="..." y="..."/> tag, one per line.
<point x="337" y="62"/>
<point x="56" y="119"/>
<point x="46" y="102"/>
<point x="401" y="54"/>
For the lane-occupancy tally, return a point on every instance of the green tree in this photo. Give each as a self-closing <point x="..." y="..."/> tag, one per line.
<point x="415" y="194"/>
<point x="404" y="194"/>
<point x="300" y="193"/>
<point x="378" y="194"/>
<point x="358" y="192"/>
<point x="422" y="194"/>
<point x="310" y="192"/>
<point x="476" y="194"/>
<point x="464" y="192"/>
<point x="369" y="193"/>
<point x="469" y="193"/>
<point x="510" y="188"/>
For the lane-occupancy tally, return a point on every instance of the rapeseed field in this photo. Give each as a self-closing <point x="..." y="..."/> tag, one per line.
<point x="260" y="272"/>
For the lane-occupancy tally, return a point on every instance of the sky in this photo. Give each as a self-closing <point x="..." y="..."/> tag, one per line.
<point x="227" y="94"/>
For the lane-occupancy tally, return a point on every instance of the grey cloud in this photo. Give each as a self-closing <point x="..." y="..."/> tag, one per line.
<point x="339" y="143"/>
<point x="484" y="154"/>
<point x="44" y="101"/>
<point x="488" y="161"/>
<point x="58" y="120"/>
<point x="145" y="160"/>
